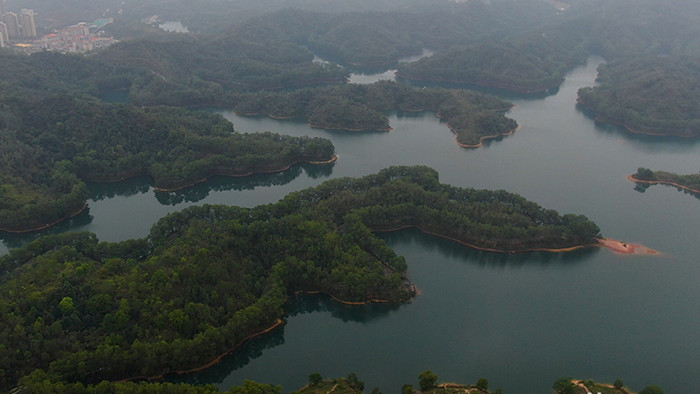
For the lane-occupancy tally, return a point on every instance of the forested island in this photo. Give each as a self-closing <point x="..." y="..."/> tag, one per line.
<point x="209" y="277"/>
<point x="470" y="115"/>
<point x="53" y="144"/>
<point x="648" y="95"/>
<point x="689" y="182"/>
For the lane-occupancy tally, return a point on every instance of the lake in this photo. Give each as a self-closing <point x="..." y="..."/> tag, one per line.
<point x="521" y="321"/>
<point x="365" y="77"/>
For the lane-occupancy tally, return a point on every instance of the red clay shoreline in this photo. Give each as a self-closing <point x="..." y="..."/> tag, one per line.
<point x="482" y="139"/>
<point x="210" y="364"/>
<point x="44" y="227"/>
<point x="366" y="302"/>
<point x="626" y="248"/>
<point x="278" y="323"/>
<point x="612" y="244"/>
<point x="690" y="189"/>
<point x="556" y="250"/>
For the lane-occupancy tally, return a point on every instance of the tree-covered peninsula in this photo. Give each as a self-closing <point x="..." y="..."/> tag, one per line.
<point x="209" y="277"/>
<point x="535" y="59"/>
<point x="658" y="95"/>
<point x="53" y="144"/>
<point x="531" y="63"/>
<point x="472" y="116"/>
<point x="688" y="182"/>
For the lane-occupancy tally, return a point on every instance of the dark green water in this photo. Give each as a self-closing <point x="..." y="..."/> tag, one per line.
<point x="521" y="321"/>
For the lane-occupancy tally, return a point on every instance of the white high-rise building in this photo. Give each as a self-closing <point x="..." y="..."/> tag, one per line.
<point x="10" y="19"/>
<point x="28" y="24"/>
<point x="4" y="36"/>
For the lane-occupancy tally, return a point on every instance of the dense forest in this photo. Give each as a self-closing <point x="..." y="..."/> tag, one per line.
<point x="521" y="46"/>
<point x="181" y="73"/>
<point x="471" y="115"/>
<point x="192" y="73"/>
<point x="208" y="277"/>
<point x="650" y="95"/>
<point x="536" y="59"/>
<point x="77" y="311"/>
<point x="529" y="63"/>
<point x="51" y="145"/>
<point x="689" y="182"/>
<point x="372" y="39"/>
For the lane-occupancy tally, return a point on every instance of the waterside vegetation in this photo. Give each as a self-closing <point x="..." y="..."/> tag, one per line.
<point x="689" y="182"/>
<point x="648" y="95"/>
<point x="53" y="144"/>
<point x="209" y="277"/>
<point x="469" y="114"/>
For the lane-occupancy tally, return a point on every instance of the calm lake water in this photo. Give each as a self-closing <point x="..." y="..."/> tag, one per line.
<point x="364" y="77"/>
<point x="521" y="321"/>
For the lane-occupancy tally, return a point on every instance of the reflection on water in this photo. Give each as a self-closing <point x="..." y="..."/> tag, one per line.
<point x="301" y="304"/>
<point x="652" y="143"/>
<point x="143" y="185"/>
<point x="125" y="188"/>
<point x="521" y="320"/>
<point x="241" y="357"/>
<point x="454" y="251"/>
<point x="12" y="240"/>
<point x="297" y="305"/>
<point x="380" y="318"/>
<point x="642" y="187"/>
<point x="369" y="75"/>
<point x="201" y="190"/>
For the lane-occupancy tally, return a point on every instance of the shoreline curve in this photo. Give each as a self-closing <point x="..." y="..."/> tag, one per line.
<point x="48" y="225"/>
<point x="210" y="364"/>
<point x="662" y="182"/>
<point x="73" y="214"/>
<point x="485" y="249"/>
<point x="333" y="159"/>
<point x="629" y="129"/>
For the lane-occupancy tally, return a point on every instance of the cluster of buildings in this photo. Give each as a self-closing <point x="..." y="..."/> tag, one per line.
<point x="20" y="32"/>
<point x="13" y="26"/>
<point x="77" y="38"/>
